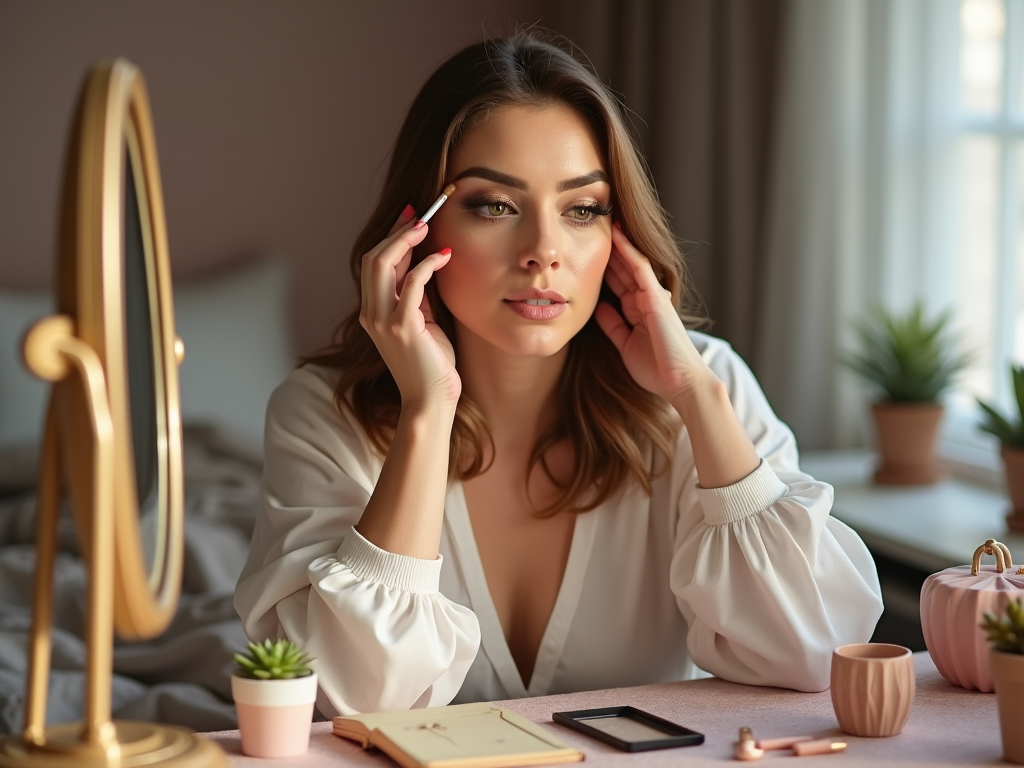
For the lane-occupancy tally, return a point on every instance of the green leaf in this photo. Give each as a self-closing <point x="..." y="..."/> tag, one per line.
<point x="1017" y="373"/>
<point x="996" y="424"/>
<point x="910" y="358"/>
<point x="1006" y="632"/>
<point x="280" y="659"/>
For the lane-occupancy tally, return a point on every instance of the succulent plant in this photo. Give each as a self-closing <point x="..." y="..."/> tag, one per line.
<point x="1008" y="432"/>
<point x="1006" y="632"/>
<point x="274" y="660"/>
<point x="910" y="358"/>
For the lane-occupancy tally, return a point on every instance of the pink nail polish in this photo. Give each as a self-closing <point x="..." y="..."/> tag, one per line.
<point x="419" y="225"/>
<point x="408" y="212"/>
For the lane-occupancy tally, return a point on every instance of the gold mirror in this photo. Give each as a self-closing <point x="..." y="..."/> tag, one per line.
<point x="112" y="438"/>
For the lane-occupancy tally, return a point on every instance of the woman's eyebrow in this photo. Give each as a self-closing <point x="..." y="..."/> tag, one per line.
<point x="482" y="172"/>
<point x="584" y="180"/>
<point x="497" y="177"/>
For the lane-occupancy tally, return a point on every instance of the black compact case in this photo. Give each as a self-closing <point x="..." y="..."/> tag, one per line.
<point x="628" y="728"/>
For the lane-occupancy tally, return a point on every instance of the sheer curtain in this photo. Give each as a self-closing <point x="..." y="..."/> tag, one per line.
<point x="698" y="77"/>
<point x="862" y="184"/>
<point x="805" y="151"/>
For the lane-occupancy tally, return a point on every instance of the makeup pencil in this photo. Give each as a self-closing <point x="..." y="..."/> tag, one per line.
<point x="438" y="203"/>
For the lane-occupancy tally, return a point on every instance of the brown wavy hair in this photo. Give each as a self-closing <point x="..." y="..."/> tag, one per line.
<point x="608" y="418"/>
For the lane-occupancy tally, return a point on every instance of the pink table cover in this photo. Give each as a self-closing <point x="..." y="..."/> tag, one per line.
<point x="948" y="726"/>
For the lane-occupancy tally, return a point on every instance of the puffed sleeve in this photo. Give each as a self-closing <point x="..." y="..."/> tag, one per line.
<point x="383" y="635"/>
<point x="768" y="581"/>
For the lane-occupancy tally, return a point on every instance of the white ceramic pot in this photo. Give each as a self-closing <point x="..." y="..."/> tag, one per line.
<point x="274" y="716"/>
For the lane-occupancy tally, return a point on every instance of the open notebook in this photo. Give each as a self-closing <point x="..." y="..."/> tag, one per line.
<point x="460" y="736"/>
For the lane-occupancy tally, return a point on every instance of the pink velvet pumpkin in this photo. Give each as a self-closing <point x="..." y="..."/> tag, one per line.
<point x="952" y="604"/>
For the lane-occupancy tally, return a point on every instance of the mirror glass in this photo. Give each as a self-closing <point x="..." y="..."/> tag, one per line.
<point x="140" y="362"/>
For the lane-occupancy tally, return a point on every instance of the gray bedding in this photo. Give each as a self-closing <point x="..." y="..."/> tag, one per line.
<point x="181" y="677"/>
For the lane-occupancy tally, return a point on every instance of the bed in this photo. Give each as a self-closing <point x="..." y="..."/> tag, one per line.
<point x="235" y="327"/>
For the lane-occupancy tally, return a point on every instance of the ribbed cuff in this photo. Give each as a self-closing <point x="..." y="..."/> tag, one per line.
<point x="754" y="493"/>
<point x="371" y="563"/>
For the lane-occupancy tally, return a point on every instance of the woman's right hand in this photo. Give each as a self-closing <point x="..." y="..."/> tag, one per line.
<point x="396" y="314"/>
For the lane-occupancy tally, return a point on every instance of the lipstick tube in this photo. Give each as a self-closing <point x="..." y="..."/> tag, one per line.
<point x="819" y="747"/>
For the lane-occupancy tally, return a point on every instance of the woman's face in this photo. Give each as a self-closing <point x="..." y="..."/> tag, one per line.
<point x="529" y="228"/>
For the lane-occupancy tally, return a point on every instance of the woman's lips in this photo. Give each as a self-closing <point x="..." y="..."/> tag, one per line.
<point x="536" y="309"/>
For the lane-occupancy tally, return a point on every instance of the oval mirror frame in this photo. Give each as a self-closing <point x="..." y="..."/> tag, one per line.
<point x="116" y="135"/>
<point x="118" y="126"/>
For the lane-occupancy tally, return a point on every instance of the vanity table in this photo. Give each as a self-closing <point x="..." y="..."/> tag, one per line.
<point x="947" y="726"/>
<point x="925" y="528"/>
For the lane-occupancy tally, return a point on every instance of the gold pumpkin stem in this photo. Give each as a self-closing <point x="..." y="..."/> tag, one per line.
<point x="1006" y="553"/>
<point x="998" y="550"/>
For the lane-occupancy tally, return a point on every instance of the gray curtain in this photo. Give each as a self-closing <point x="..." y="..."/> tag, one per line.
<point x="699" y="77"/>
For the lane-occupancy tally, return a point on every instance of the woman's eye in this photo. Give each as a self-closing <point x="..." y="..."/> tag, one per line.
<point x="585" y="215"/>
<point x="490" y="209"/>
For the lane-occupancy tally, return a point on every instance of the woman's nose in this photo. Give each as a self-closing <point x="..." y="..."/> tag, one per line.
<point x="541" y="251"/>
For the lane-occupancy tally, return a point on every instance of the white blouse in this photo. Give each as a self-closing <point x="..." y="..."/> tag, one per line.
<point x="754" y="582"/>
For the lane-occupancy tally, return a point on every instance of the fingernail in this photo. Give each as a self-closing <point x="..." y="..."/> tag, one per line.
<point x="445" y="251"/>
<point x="419" y="225"/>
<point x="408" y="212"/>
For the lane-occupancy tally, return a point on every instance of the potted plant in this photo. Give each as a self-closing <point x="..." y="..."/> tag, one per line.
<point x="912" y="360"/>
<point x="274" y="688"/>
<point x="1006" y="659"/>
<point x="1011" y="438"/>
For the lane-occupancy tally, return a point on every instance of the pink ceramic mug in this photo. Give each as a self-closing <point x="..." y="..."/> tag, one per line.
<point x="872" y="688"/>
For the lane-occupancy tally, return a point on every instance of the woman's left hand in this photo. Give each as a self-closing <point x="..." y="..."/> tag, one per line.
<point x="651" y="339"/>
<point x="661" y="358"/>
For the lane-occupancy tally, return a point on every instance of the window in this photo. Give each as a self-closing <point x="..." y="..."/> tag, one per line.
<point x="991" y="209"/>
<point x="989" y="273"/>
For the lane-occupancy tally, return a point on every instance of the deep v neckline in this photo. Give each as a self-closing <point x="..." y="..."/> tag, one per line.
<point x="492" y="634"/>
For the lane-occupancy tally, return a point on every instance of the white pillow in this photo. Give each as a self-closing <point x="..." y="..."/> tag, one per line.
<point x="237" y="336"/>
<point x="238" y="346"/>
<point x="22" y="395"/>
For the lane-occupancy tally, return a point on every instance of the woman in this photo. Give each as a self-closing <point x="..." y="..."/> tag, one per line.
<point x="518" y="473"/>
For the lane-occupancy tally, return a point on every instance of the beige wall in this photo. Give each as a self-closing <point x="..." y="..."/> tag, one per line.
<point x="273" y="122"/>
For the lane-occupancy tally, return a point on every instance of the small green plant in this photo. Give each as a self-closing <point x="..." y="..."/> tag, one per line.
<point x="280" y="660"/>
<point x="910" y="358"/>
<point x="1006" y="632"/>
<point x="1008" y="432"/>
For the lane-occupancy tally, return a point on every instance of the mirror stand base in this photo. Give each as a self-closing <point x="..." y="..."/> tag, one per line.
<point x="137" y="744"/>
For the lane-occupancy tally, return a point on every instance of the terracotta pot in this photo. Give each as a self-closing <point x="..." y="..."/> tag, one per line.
<point x="274" y="716"/>
<point x="1013" y="461"/>
<point x="906" y="434"/>
<point x="952" y="604"/>
<point x="872" y="688"/>
<point x="1008" y="673"/>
